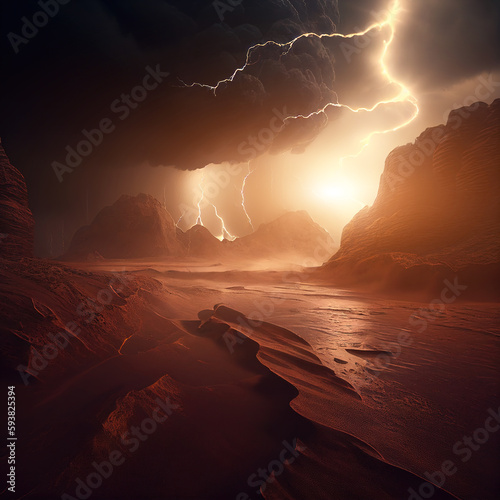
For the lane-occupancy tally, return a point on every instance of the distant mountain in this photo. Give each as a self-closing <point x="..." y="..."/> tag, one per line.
<point x="139" y="227"/>
<point x="198" y="241"/>
<point x="133" y="227"/>
<point x="292" y="233"/>
<point x="437" y="212"/>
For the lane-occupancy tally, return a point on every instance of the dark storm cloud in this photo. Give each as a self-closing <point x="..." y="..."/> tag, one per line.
<point x="65" y="78"/>
<point x="438" y="43"/>
<point x="356" y="15"/>
<point x="447" y="41"/>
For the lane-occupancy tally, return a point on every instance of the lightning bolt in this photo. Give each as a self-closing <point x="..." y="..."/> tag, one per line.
<point x="243" y="185"/>
<point x="404" y="95"/>
<point x="179" y="220"/>
<point x="288" y="46"/>
<point x="200" y="185"/>
<point x="389" y="21"/>
<point x="225" y="233"/>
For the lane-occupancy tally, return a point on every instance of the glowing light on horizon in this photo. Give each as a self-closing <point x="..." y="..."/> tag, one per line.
<point x="337" y="191"/>
<point x="334" y="192"/>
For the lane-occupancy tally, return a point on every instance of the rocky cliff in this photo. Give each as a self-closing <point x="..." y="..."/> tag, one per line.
<point x="16" y="220"/>
<point x="437" y="211"/>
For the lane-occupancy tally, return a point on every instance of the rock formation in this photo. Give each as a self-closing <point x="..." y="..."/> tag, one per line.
<point x="16" y="220"/>
<point x="437" y="209"/>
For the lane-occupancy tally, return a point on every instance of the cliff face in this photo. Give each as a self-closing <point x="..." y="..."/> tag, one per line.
<point x="16" y="220"/>
<point x="133" y="227"/>
<point x="437" y="207"/>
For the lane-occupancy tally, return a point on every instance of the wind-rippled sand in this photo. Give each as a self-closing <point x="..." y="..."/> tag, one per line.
<point x="253" y="360"/>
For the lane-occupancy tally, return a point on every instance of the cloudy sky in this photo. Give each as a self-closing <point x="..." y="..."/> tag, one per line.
<point x="106" y="97"/>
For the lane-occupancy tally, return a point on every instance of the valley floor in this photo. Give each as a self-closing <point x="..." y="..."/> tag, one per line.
<point x="427" y="373"/>
<point x="368" y="397"/>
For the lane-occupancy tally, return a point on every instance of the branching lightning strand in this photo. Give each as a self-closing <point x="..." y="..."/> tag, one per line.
<point x="404" y="94"/>
<point x="243" y="186"/>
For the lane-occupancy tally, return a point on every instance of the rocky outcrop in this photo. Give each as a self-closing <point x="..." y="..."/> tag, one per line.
<point x="16" y="220"/>
<point x="437" y="211"/>
<point x="292" y="233"/>
<point x="133" y="227"/>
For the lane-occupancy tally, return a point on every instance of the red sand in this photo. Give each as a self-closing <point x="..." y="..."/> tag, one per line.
<point x="357" y="435"/>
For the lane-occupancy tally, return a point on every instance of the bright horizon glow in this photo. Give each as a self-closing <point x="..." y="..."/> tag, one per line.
<point x="336" y="191"/>
<point x="341" y="192"/>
